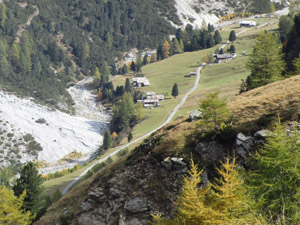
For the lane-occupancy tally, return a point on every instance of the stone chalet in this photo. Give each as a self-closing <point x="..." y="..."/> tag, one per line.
<point x="152" y="100"/>
<point x="140" y="82"/>
<point x="247" y="24"/>
<point x="153" y="95"/>
<point x="224" y="57"/>
<point x="192" y="74"/>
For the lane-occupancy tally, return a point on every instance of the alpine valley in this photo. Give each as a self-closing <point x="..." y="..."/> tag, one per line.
<point x="149" y="112"/>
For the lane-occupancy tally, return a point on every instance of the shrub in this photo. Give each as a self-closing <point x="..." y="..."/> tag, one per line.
<point x="122" y="152"/>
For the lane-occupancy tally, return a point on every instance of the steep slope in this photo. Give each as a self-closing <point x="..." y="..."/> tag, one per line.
<point x="58" y="134"/>
<point x="34" y="64"/>
<point x="197" y="12"/>
<point x="147" y="180"/>
<point x="46" y="47"/>
<point x="259" y="107"/>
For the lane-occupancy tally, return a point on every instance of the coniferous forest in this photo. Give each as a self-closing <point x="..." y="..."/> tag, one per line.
<point x="70" y="38"/>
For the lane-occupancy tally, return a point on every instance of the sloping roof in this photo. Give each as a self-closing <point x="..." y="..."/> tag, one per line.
<point x="141" y="80"/>
<point x="249" y="23"/>
<point x="148" y="93"/>
<point x="224" y="56"/>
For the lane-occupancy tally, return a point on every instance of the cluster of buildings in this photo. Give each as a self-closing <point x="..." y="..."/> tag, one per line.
<point x="226" y="57"/>
<point x="152" y="100"/>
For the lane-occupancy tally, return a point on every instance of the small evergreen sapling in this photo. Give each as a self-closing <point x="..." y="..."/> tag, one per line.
<point x="232" y="49"/>
<point x="128" y="87"/>
<point x="214" y="111"/>
<point x="232" y="36"/>
<point x="107" y="141"/>
<point x="130" y="137"/>
<point x="175" y="90"/>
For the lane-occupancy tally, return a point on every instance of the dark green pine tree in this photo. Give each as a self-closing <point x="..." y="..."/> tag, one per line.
<point x="125" y="69"/>
<point x="210" y="28"/>
<point x="145" y="59"/>
<point x="104" y="69"/>
<point x="210" y="41"/>
<point x="159" y="52"/>
<point x="176" y="48"/>
<point x="204" y="35"/>
<point x="128" y="85"/>
<point x="274" y="179"/>
<point x="217" y="37"/>
<point x="194" y="43"/>
<point x="265" y="62"/>
<point x="139" y="62"/>
<point x="133" y="66"/>
<point x="232" y="49"/>
<point x="175" y="91"/>
<point x="232" y="36"/>
<point x="31" y="182"/>
<point x="179" y="34"/>
<point x="221" y="51"/>
<point x="107" y="141"/>
<point x="130" y="137"/>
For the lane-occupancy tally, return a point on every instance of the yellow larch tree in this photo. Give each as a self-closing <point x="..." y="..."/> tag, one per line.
<point x="191" y="202"/>
<point x="229" y="200"/>
<point x="224" y="203"/>
<point x="11" y="211"/>
<point x="166" y="49"/>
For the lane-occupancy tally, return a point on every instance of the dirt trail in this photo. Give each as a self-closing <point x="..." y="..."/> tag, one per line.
<point x="195" y="86"/>
<point x="23" y="27"/>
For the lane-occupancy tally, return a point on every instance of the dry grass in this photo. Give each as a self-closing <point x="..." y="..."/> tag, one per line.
<point x="256" y="107"/>
<point x="178" y="136"/>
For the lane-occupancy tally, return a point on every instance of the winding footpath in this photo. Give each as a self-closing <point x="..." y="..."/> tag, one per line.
<point x="174" y="111"/>
<point x="24" y="26"/>
<point x="183" y="100"/>
<point x="243" y="31"/>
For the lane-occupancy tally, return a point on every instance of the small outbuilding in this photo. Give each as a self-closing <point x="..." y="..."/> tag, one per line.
<point x="140" y="82"/>
<point x="224" y="57"/>
<point x="192" y="74"/>
<point x="149" y="103"/>
<point x="247" y="24"/>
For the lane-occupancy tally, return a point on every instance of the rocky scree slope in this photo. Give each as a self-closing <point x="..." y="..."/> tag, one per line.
<point x="30" y="131"/>
<point x="195" y="12"/>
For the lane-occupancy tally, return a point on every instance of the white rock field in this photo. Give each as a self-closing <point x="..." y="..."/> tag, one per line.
<point x="185" y="11"/>
<point x="62" y="133"/>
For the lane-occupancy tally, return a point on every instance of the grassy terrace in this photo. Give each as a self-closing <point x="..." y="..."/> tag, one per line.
<point x="162" y="76"/>
<point x="227" y="76"/>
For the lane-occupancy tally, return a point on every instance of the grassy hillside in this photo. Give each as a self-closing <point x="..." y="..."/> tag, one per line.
<point x="163" y="74"/>
<point x="177" y="139"/>
<point x="227" y="76"/>
<point x="259" y="107"/>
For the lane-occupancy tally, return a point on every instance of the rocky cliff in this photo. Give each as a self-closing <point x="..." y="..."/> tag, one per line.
<point x="147" y="181"/>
